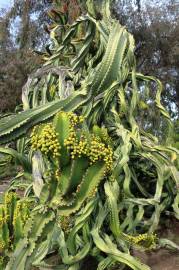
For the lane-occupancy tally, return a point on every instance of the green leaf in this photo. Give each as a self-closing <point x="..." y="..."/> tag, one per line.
<point x="90" y="181"/>
<point x="19" y="124"/>
<point x="108" y="247"/>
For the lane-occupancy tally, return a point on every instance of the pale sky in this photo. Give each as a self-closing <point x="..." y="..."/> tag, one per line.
<point x="5" y="3"/>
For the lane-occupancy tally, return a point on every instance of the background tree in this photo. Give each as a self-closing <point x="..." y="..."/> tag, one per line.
<point x="155" y="26"/>
<point x="21" y="33"/>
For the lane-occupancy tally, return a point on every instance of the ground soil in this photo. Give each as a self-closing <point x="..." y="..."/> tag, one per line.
<point x="163" y="259"/>
<point x="3" y="185"/>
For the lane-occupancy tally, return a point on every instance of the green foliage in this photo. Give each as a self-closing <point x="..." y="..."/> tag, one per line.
<point x="107" y="66"/>
<point x="68" y="199"/>
<point x="20" y="158"/>
<point x="14" y="213"/>
<point x="100" y="182"/>
<point x="65" y="148"/>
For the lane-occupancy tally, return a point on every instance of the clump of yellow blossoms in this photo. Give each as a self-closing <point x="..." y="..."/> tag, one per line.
<point x="6" y="217"/>
<point x="10" y="198"/>
<point x="99" y="151"/>
<point x="46" y="141"/>
<point x="75" y="119"/>
<point x="91" y="147"/>
<point x="21" y="211"/>
<point x="145" y="240"/>
<point x="3" y="221"/>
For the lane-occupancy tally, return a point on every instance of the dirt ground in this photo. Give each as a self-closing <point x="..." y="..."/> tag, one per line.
<point x="3" y="186"/>
<point x="160" y="260"/>
<point x="163" y="259"/>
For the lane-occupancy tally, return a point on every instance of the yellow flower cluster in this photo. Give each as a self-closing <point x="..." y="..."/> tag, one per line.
<point x="57" y="174"/>
<point x="94" y="149"/>
<point x="75" y="119"/>
<point x="46" y="141"/>
<point x="9" y="199"/>
<point x="21" y="211"/>
<point x="99" y="151"/>
<point x="2" y="246"/>
<point x="3" y="216"/>
<point x="77" y="148"/>
<point x="144" y="240"/>
<point x="3" y="222"/>
<point x="72" y="140"/>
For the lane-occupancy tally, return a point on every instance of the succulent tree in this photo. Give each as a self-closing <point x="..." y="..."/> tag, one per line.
<point x="77" y="196"/>
<point x="98" y="65"/>
<point x="100" y="184"/>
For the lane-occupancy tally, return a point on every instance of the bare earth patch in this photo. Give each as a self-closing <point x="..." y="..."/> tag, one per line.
<point x="163" y="259"/>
